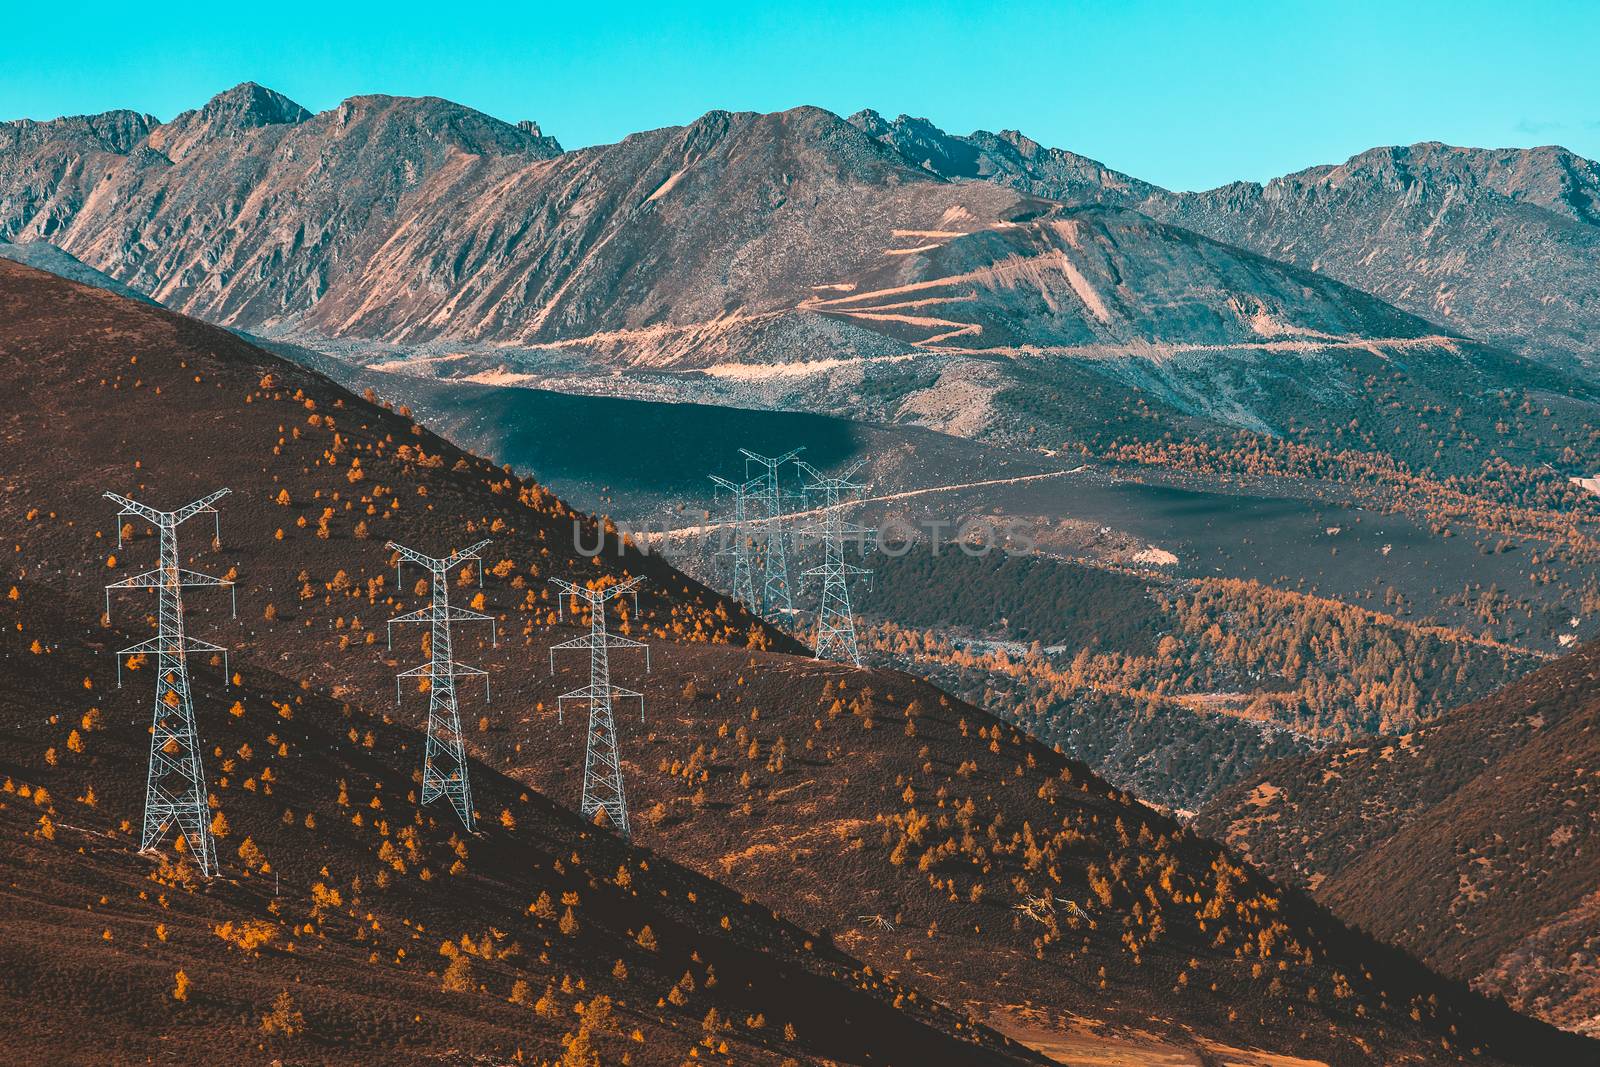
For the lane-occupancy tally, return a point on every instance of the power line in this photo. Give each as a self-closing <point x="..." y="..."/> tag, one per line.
<point x="444" y="761"/>
<point x="836" y="623"/>
<point x="602" y="765"/>
<point x="775" y="592"/>
<point x="743" y="548"/>
<point x="175" y="787"/>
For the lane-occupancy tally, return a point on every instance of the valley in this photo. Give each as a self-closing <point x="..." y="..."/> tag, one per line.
<point x="903" y="803"/>
<point x="1232" y="562"/>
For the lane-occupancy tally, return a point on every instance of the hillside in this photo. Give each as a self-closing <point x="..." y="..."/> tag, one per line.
<point x="98" y="375"/>
<point x="1496" y="244"/>
<point x="349" y="923"/>
<point x="832" y="796"/>
<point x="954" y="853"/>
<point x="1468" y="841"/>
<point x="42" y="255"/>
<point x="1173" y="688"/>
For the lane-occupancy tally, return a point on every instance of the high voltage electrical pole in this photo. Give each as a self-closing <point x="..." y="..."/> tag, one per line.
<point x="744" y="588"/>
<point x="775" y="595"/>
<point x="836" y="623"/>
<point x="444" y="761"/>
<point x="175" y="788"/>
<point x="602" y="766"/>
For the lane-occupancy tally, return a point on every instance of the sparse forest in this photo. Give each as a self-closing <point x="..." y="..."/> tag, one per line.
<point x="1214" y="676"/>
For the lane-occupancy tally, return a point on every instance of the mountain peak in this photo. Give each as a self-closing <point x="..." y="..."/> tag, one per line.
<point x="112" y="131"/>
<point x="544" y="142"/>
<point x="245" y="107"/>
<point x="868" y="120"/>
<point x="440" y="121"/>
<point x="1022" y="142"/>
<point x="249" y="104"/>
<point x="1009" y="158"/>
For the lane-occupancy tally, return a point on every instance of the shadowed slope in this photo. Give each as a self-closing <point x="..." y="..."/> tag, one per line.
<point x="1465" y="840"/>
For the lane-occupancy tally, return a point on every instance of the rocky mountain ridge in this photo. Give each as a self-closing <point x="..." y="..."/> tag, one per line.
<point x="1496" y="243"/>
<point x="739" y="239"/>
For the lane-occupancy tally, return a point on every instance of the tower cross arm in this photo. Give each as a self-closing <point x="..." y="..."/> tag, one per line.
<point x="412" y="554"/>
<point x="420" y="615"/>
<point x="568" y="587"/>
<point x="841" y="480"/>
<point x="189" y="511"/>
<point x="613" y="641"/>
<point x="160" y="644"/>
<point x="430" y="563"/>
<point x="835" y="568"/>
<point x="577" y="642"/>
<point x="470" y="552"/>
<point x="612" y="592"/>
<point x="429" y="615"/>
<point x="457" y="670"/>
<point x="745" y="488"/>
<point x="147" y="580"/>
<point x="130" y="506"/>
<point x="774" y="461"/>
<point x="594" y="596"/>
<point x="157" y="578"/>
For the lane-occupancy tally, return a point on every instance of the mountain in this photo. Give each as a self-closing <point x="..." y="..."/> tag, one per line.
<point x="1469" y="841"/>
<point x="248" y="206"/>
<point x="1171" y="688"/>
<point x="1495" y="244"/>
<point x="899" y="826"/>
<point x="1209" y="396"/>
<point x="1007" y="158"/>
<point x="792" y="260"/>
<point x="344" y="907"/>
<point x="1498" y="244"/>
<point x="42" y="255"/>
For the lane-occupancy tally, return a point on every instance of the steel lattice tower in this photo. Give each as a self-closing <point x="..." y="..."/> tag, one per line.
<point x="444" y="761"/>
<point x="602" y="765"/>
<point x="836" y="623"/>
<point x="775" y="595"/>
<point x="175" y="786"/>
<point x="744" y="587"/>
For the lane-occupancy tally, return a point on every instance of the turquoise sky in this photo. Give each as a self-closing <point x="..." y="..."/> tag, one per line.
<point x="1188" y="95"/>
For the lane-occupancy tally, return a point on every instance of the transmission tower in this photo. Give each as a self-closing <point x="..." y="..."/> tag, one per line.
<point x="775" y="598"/>
<point x="602" y="766"/>
<point x="444" y="760"/>
<point x="175" y="785"/>
<point x="836" y="623"/>
<point x="744" y="588"/>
